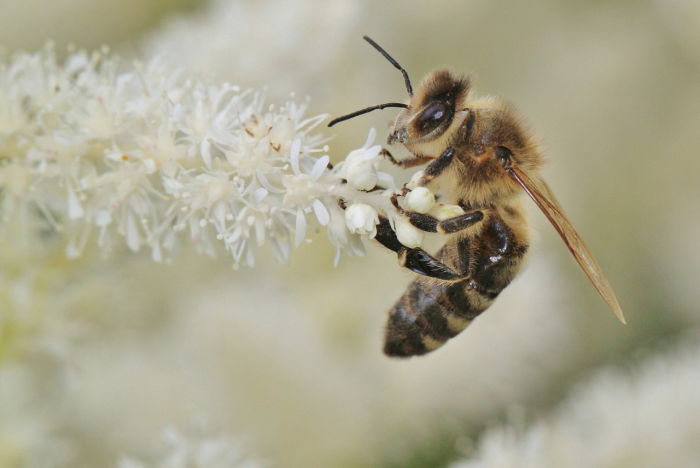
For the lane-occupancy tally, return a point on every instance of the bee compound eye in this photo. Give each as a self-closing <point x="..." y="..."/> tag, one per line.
<point x="432" y="116"/>
<point x="434" y="112"/>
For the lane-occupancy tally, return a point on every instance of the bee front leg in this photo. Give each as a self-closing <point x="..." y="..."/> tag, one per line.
<point x="405" y="163"/>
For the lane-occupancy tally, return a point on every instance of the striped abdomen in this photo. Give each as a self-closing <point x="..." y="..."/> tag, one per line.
<point x="432" y="311"/>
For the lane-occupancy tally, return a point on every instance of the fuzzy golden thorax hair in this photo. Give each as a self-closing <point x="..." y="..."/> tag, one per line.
<point x="482" y="131"/>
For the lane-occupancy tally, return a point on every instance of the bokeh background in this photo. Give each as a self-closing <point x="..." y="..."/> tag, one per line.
<point x="123" y="362"/>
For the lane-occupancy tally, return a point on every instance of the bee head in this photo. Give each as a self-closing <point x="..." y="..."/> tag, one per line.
<point x="430" y="112"/>
<point x="436" y="105"/>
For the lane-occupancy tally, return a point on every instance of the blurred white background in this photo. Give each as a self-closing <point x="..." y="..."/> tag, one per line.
<point x="283" y="363"/>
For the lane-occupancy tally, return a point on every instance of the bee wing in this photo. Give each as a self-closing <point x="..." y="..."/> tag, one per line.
<point x="542" y="195"/>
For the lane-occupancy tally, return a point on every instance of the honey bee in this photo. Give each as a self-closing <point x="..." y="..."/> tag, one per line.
<point x="484" y="157"/>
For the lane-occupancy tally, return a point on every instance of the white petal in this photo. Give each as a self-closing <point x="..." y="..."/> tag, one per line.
<point x="321" y="212"/>
<point x="294" y="155"/>
<point x="205" y="148"/>
<point x="356" y="246"/>
<point x="312" y="121"/>
<point x="235" y="235"/>
<point x="320" y="165"/>
<point x="300" y="231"/>
<point x="336" y="260"/>
<point x="260" y="231"/>
<point x="286" y="250"/>
<point x="219" y="213"/>
<point x="266" y="183"/>
<point x="133" y="238"/>
<point x="239" y="251"/>
<point x="374" y="150"/>
<point x="259" y="194"/>
<point x="172" y="186"/>
<point x="103" y="218"/>
<point x="156" y="253"/>
<point x="150" y="165"/>
<point x="72" y="250"/>
<point x="75" y="208"/>
<point x="76" y="246"/>
<point x="370" y="137"/>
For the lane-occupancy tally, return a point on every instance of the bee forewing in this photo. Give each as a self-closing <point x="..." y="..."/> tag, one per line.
<point x="541" y="194"/>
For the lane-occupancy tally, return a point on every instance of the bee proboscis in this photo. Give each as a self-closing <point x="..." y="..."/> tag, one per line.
<point x="482" y="152"/>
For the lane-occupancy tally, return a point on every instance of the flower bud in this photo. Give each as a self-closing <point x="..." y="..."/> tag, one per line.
<point x="443" y="212"/>
<point x="415" y="178"/>
<point x="360" y="168"/>
<point x="420" y="200"/>
<point x="362" y="219"/>
<point x="408" y="234"/>
<point x="362" y="175"/>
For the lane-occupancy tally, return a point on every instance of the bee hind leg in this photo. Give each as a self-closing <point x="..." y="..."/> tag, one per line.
<point x="419" y="261"/>
<point x="386" y="235"/>
<point x="416" y="260"/>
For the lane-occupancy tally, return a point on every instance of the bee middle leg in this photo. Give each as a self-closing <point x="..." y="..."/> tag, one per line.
<point x="428" y="223"/>
<point x="437" y="167"/>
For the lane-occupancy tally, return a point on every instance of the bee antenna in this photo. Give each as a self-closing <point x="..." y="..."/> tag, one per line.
<point x="364" y="111"/>
<point x="386" y="55"/>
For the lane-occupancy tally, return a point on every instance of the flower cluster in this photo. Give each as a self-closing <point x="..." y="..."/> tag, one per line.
<point x="148" y="156"/>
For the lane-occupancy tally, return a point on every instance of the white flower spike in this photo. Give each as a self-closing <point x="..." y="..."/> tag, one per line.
<point x="151" y="158"/>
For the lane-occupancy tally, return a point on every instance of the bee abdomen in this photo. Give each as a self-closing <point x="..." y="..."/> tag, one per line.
<point x="427" y="316"/>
